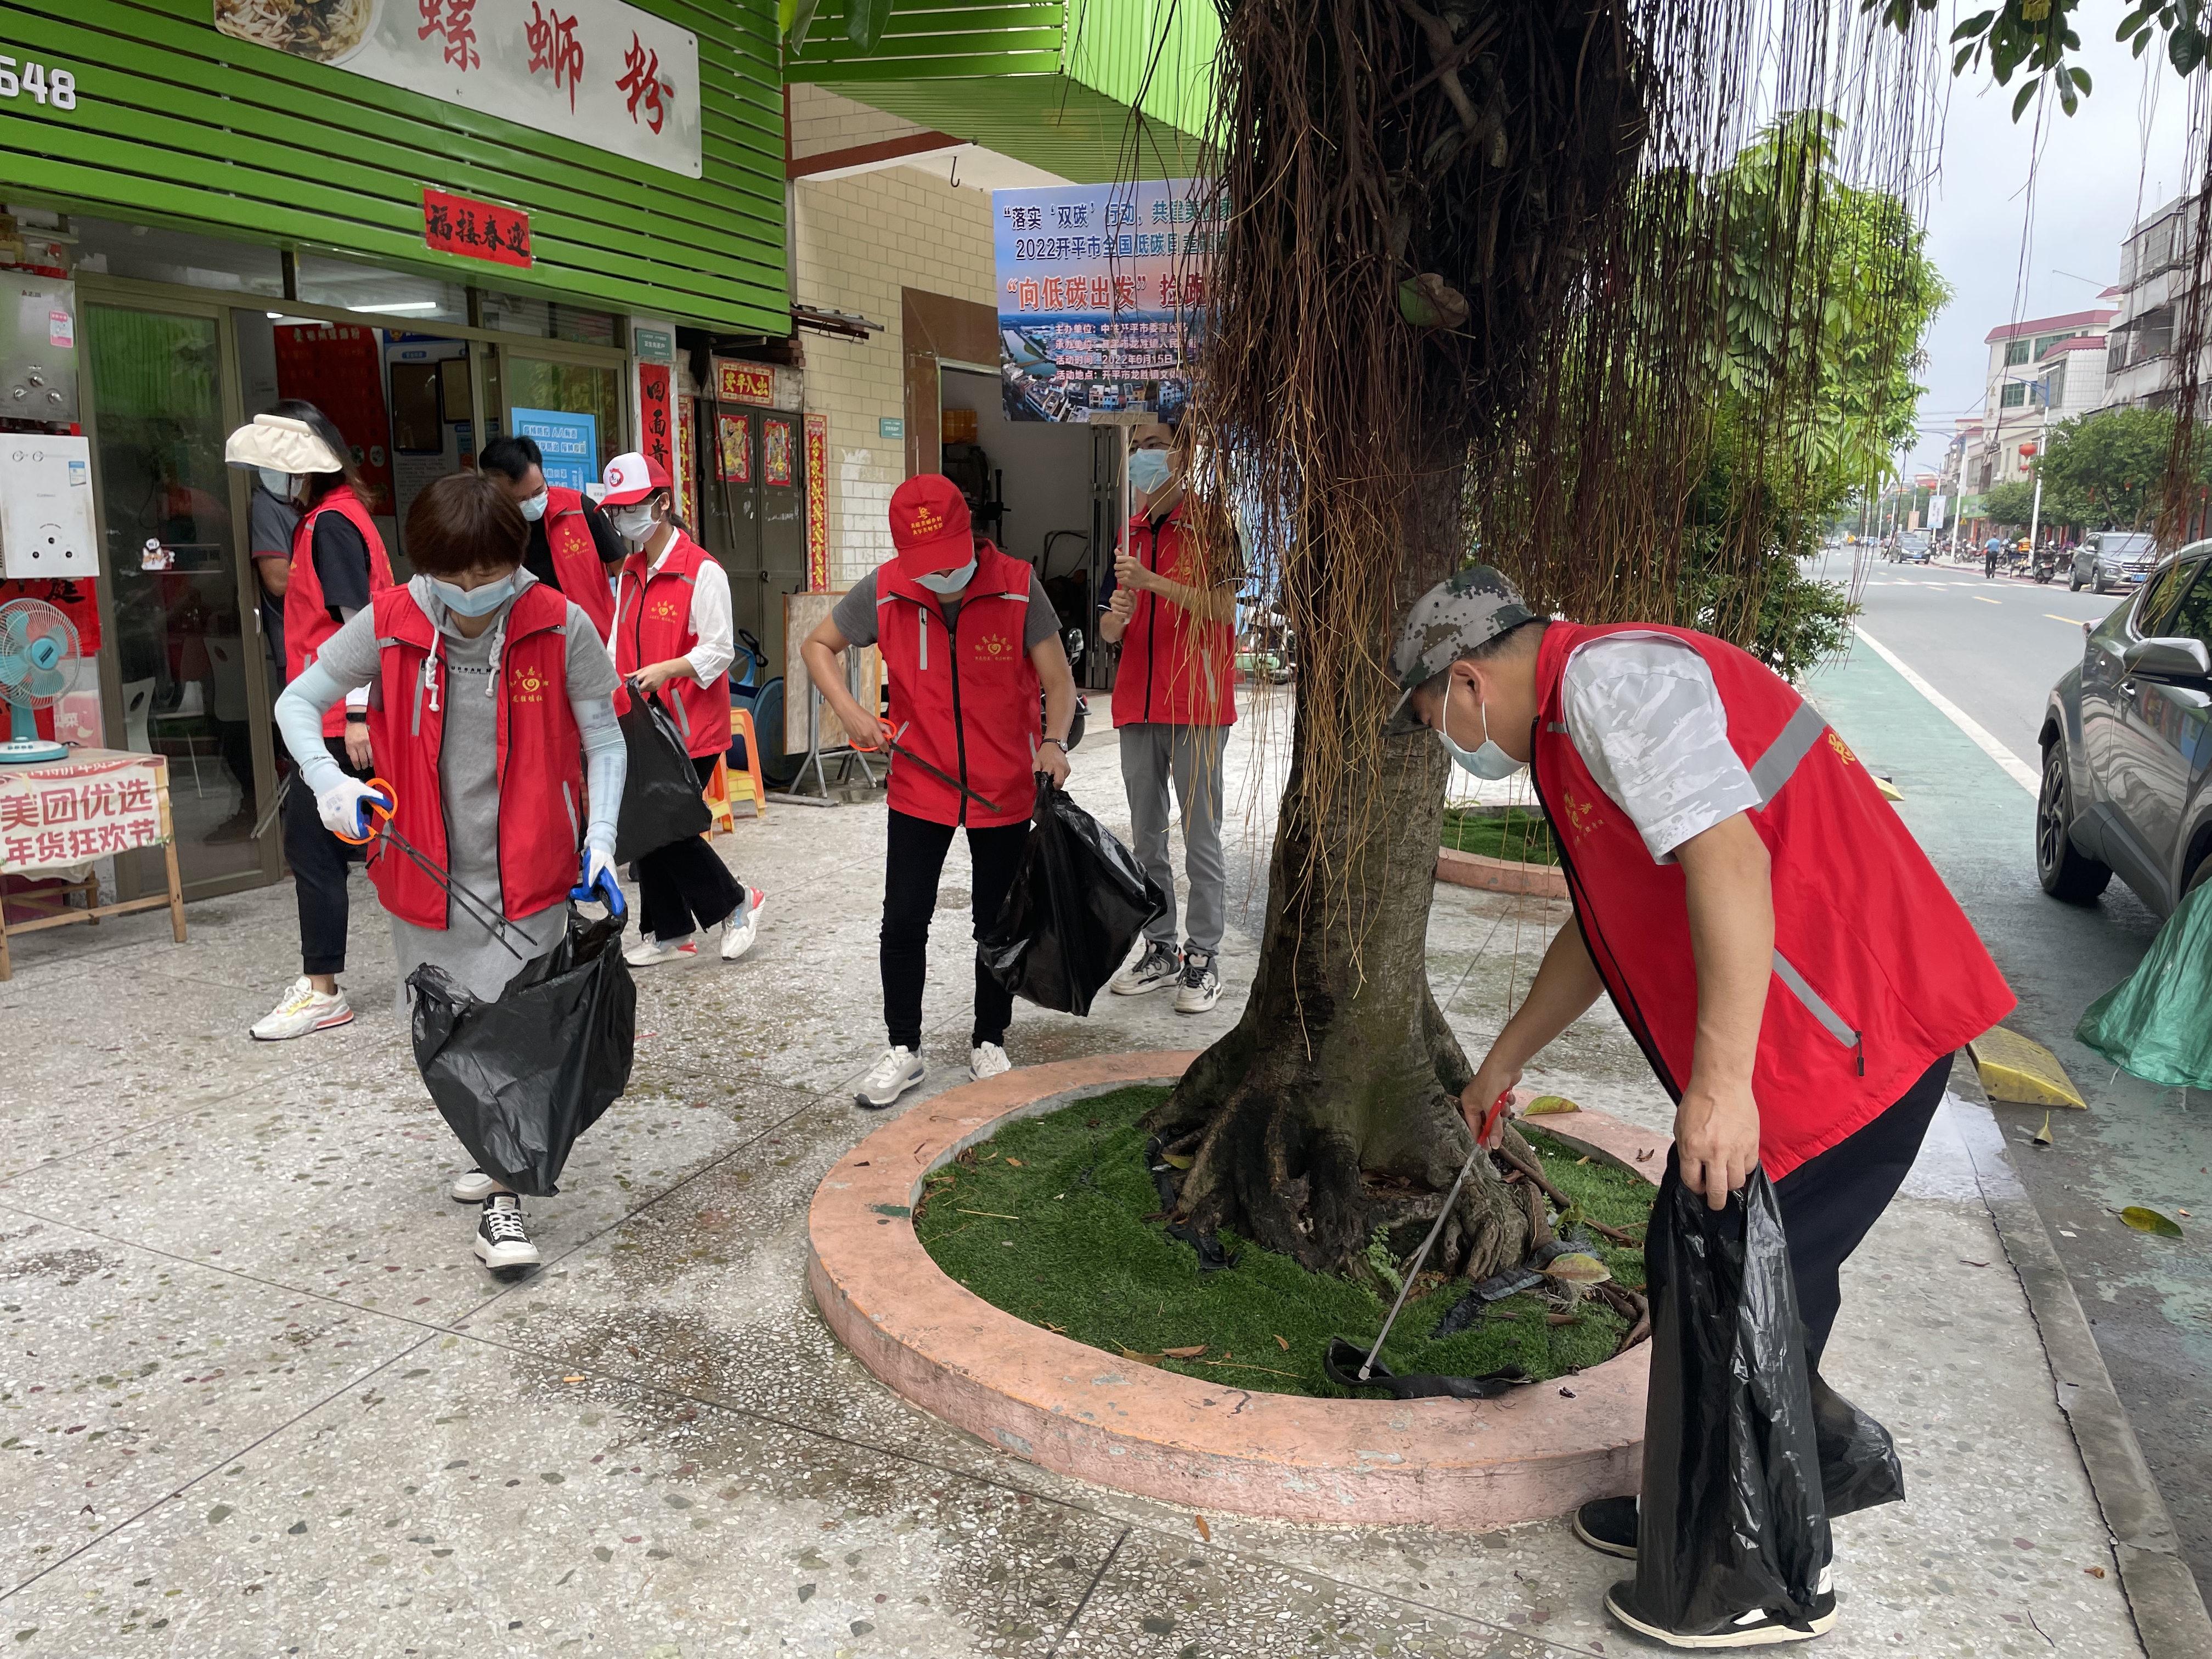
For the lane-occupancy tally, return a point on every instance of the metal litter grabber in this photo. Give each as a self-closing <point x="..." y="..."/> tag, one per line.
<point x="1340" y="1350"/>
<point x="903" y="753"/>
<point x="484" y="915"/>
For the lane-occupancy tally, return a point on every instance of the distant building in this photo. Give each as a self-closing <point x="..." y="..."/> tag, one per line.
<point x="2058" y="361"/>
<point x="2141" y="367"/>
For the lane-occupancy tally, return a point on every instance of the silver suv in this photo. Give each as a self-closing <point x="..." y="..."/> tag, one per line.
<point x="2112" y="559"/>
<point x="2127" y="747"/>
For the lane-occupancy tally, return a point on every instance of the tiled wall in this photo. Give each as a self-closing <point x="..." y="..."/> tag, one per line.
<point x="821" y="120"/>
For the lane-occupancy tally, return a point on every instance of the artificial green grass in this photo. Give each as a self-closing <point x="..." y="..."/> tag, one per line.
<point x="1047" y="1220"/>
<point x="1516" y="835"/>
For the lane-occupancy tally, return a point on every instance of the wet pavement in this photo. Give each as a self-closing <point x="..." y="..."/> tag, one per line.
<point x="260" y="1400"/>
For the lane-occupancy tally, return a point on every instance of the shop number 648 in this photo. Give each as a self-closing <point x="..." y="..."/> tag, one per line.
<point x="39" y="81"/>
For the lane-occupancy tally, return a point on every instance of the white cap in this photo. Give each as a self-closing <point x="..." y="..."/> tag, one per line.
<point x="283" y="444"/>
<point x="630" y="478"/>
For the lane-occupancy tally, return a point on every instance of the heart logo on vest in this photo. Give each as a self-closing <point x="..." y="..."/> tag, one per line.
<point x="992" y="647"/>
<point x="664" y="609"/>
<point x="526" y="685"/>
<point x="1842" y="749"/>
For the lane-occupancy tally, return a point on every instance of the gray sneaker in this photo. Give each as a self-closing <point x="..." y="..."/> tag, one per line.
<point x="1201" y="985"/>
<point x="898" y="1071"/>
<point x="1158" y="966"/>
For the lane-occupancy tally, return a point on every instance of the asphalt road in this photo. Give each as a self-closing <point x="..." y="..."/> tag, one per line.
<point x="1993" y="649"/>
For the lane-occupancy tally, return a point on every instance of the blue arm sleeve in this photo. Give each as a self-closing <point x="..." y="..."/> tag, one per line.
<point x="606" y="764"/>
<point x="300" y="717"/>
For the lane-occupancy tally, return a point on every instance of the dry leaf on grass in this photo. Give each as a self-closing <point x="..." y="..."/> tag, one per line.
<point x="1142" y="1359"/>
<point x="1286" y="1346"/>
<point x="1184" y="1353"/>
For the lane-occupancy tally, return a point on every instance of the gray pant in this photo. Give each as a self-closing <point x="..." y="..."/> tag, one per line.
<point x="1152" y="754"/>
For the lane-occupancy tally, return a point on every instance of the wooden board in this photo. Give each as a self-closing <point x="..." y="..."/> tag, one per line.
<point x="802" y="614"/>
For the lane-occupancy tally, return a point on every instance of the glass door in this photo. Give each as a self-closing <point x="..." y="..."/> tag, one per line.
<point x="182" y="670"/>
<point x="571" y="409"/>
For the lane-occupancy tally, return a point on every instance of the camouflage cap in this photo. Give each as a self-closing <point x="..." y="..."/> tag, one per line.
<point x="1458" y="615"/>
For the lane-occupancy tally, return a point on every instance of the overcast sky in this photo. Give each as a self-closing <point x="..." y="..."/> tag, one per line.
<point x="2012" y="256"/>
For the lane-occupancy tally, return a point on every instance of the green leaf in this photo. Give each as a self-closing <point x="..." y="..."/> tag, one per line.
<point x="1978" y="24"/>
<point x="1959" y="63"/>
<point x="2135" y="20"/>
<point x="2185" y="48"/>
<point x="2142" y="40"/>
<point x="2027" y="95"/>
<point x="2080" y="79"/>
<point x="801" y="22"/>
<point x="864" y="22"/>
<point x="2150" y="1221"/>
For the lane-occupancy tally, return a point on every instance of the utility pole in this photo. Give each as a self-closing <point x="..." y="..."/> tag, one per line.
<point x="2042" y="430"/>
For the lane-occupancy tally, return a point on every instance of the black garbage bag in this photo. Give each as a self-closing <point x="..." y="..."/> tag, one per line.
<point x="518" y="1080"/>
<point x="1858" y="1460"/>
<point x="661" y="801"/>
<point x="1732" y="1517"/>
<point x="1078" y="903"/>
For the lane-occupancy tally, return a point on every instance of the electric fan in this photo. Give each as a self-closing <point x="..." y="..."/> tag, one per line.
<point x="38" y="660"/>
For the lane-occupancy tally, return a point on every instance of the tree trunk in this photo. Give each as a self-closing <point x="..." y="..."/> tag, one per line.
<point x="1332" y="1108"/>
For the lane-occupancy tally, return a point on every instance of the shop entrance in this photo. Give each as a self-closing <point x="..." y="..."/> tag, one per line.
<point x="752" y="466"/>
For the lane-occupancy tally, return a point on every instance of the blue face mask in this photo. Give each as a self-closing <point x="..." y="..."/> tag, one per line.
<point x="949" y="582"/>
<point x="1148" y="469"/>
<point x="533" y="507"/>
<point x="472" y="601"/>
<point x="1488" y="761"/>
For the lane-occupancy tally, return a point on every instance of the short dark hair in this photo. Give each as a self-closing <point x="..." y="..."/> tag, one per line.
<point x="511" y="456"/>
<point x="320" y="484"/>
<point x="1522" y="636"/>
<point x="465" y="522"/>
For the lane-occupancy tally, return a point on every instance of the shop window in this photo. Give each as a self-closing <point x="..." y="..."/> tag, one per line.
<point x="571" y="409"/>
<point x="325" y="281"/>
<point x="549" y="320"/>
<point x="148" y="253"/>
<point x="2154" y="334"/>
<point x="2016" y="352"/>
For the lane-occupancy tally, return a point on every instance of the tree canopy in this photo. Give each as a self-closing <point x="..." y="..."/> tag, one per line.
<point x="2107" y="470"/>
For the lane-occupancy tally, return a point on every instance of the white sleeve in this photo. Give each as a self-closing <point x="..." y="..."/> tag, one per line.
<point x="1645" y="716"/>
<point x="717" y="647"/>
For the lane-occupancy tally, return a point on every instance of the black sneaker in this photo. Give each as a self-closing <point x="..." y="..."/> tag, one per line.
<point x="502" y="1243"/>
<point x="1757" y="1629"/>
<point x="1608" y="1524"/>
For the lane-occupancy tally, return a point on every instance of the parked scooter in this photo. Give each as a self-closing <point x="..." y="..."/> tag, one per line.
<point x="2046" y="563"/>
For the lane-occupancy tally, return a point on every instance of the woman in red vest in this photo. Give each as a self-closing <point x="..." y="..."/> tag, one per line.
<point x="968" y="638"/>
<point x="573" y="549"/>
<point x="337" y="567"/>
<point x="1793" y="969"/>
<point x="490" y="706"/>
<point x="674" y="635"/>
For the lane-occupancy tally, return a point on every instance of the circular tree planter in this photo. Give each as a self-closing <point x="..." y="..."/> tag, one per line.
<point x="1470" y="1465"/>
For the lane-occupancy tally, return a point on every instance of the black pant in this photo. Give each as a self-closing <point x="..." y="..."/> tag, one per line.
<point x="1989" y="564"/>
<point x="684" y="886"/>
<point x="913" y="857"/>
<point x="318" y="861"/>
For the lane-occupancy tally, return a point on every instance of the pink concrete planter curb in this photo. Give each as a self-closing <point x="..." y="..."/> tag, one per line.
<point x="1471" y="1464"/>
<point x="1499" y="876"/>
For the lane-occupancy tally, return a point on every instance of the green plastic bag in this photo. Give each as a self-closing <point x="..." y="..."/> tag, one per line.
<point x="2157" y="1023"/>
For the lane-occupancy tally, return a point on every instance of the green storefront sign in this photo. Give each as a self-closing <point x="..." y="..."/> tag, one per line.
<point x="144" y="109"/>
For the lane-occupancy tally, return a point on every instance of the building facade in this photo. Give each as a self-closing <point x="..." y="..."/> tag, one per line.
<point x="2041" y="370"/>
<point x="2154" y="265"/>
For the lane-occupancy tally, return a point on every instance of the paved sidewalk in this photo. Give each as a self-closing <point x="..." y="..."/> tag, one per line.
<point x="261" y="1400"/>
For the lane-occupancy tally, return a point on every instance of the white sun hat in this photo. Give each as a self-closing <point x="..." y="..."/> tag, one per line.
<point x="283" y="444"/>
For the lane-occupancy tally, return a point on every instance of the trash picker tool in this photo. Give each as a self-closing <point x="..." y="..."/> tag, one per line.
<point x="486" y="916"/>
<point x="892" y="743"/>
<point x="1413" y="1268"/>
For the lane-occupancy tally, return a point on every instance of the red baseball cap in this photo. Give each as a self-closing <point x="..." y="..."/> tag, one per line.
<point x="929" y="525"/>
<point x="630" y="478"/>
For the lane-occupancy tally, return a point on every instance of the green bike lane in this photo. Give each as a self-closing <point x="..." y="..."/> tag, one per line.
<point x="2149" y="1300"/>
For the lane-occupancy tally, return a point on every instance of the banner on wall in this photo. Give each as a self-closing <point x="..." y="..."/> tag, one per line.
<point x="687" y="488"/>
<point x="655" y="418"/>
<point x="599" y="72"/>
<point x="1102" y="295"/>
<point x="818" y="503"/>
<point x="336" y="367"/>
<point x="569" y="443"/>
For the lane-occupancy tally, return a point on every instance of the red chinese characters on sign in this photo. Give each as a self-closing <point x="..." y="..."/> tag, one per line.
<point x="817" y="503"/>
<point x="744" y="383"/>
<point x="554" y="46"/>
<point x="474" y="229"/>
<point x="653" y="414"/>
<point x="54" y="817"/>
<point x="455" y="21"/>
<point x="641" y="80"/>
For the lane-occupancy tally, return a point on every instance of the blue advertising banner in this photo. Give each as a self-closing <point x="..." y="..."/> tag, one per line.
<point x="1102" y="295"/>
<point x="569" y="443"/>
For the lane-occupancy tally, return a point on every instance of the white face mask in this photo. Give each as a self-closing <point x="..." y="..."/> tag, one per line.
<point x="533" y="507"/>
<point x="279" y="484"/>
<point x="949" y="582"/>
<point x="1487" y="761"/>
<point x="635" y="525"/>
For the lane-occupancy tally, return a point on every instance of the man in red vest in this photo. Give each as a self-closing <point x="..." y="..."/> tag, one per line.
<point x="1792" y="966"/>
<point x="1173" y="706"/>
<point x="573" y="549"/>
<point x="968" y="640"/>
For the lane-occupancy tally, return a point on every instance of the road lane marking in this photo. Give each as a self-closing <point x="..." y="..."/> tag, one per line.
<point x="1985" y="598"/>
<point x="2071" y="622"/>
<point x="2016" y="768"/>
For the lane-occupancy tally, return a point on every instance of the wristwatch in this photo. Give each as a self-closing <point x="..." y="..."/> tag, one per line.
<point x="1059" y="743"/>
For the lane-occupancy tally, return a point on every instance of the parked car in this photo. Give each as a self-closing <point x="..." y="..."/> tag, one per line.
<point x="2127" y="747"/>
<point x="2112" y="559"/>
<point x="1911" y="547"/>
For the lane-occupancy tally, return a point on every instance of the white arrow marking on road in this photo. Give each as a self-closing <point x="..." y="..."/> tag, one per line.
<point x="2019" y="769"/>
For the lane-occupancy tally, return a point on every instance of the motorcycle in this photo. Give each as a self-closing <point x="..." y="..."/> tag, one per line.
<point x="2047" y="564"/>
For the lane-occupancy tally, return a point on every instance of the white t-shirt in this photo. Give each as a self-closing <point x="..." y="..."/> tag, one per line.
<point x="1643" y="712"/>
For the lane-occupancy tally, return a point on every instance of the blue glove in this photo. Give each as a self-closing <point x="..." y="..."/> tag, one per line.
<point x="598" y="882"/>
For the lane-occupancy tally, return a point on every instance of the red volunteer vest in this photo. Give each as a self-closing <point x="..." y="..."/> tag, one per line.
<point x="541" y="756"/>
<point x="1877" y="971"/>
<point x="653" y="624"/>
<point x="576" y="558"/>
<point x="307" y="624"/>
<point x="966" y="694"/>
<point x="1175" y="669"/>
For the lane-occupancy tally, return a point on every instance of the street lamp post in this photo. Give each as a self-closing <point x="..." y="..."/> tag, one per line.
<point x="2042" y="389"/>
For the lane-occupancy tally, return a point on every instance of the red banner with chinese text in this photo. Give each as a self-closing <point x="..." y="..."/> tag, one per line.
<point x="817" y="503"/>
<point x="687" y="482"/>
<point x="475" y="229"/>
<point x="744" y="383"/>
<point x="656" y="421"/>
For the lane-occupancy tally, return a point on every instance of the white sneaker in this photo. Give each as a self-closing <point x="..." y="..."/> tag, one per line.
<point x="304" y="1009"/>
<point x="898" y="1071"/>
<point x="1158" y="966"/>
<point x="646" y="951"/>
<point x="1201" y="985"/>
<point x="473" y="1188"/>
<point x="738" y="937"/>
<point x="988" y="1060"/>
<point x="503" y="1245"/>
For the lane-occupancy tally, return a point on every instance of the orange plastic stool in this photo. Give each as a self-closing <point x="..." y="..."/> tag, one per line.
<point x="741" y="725"/>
